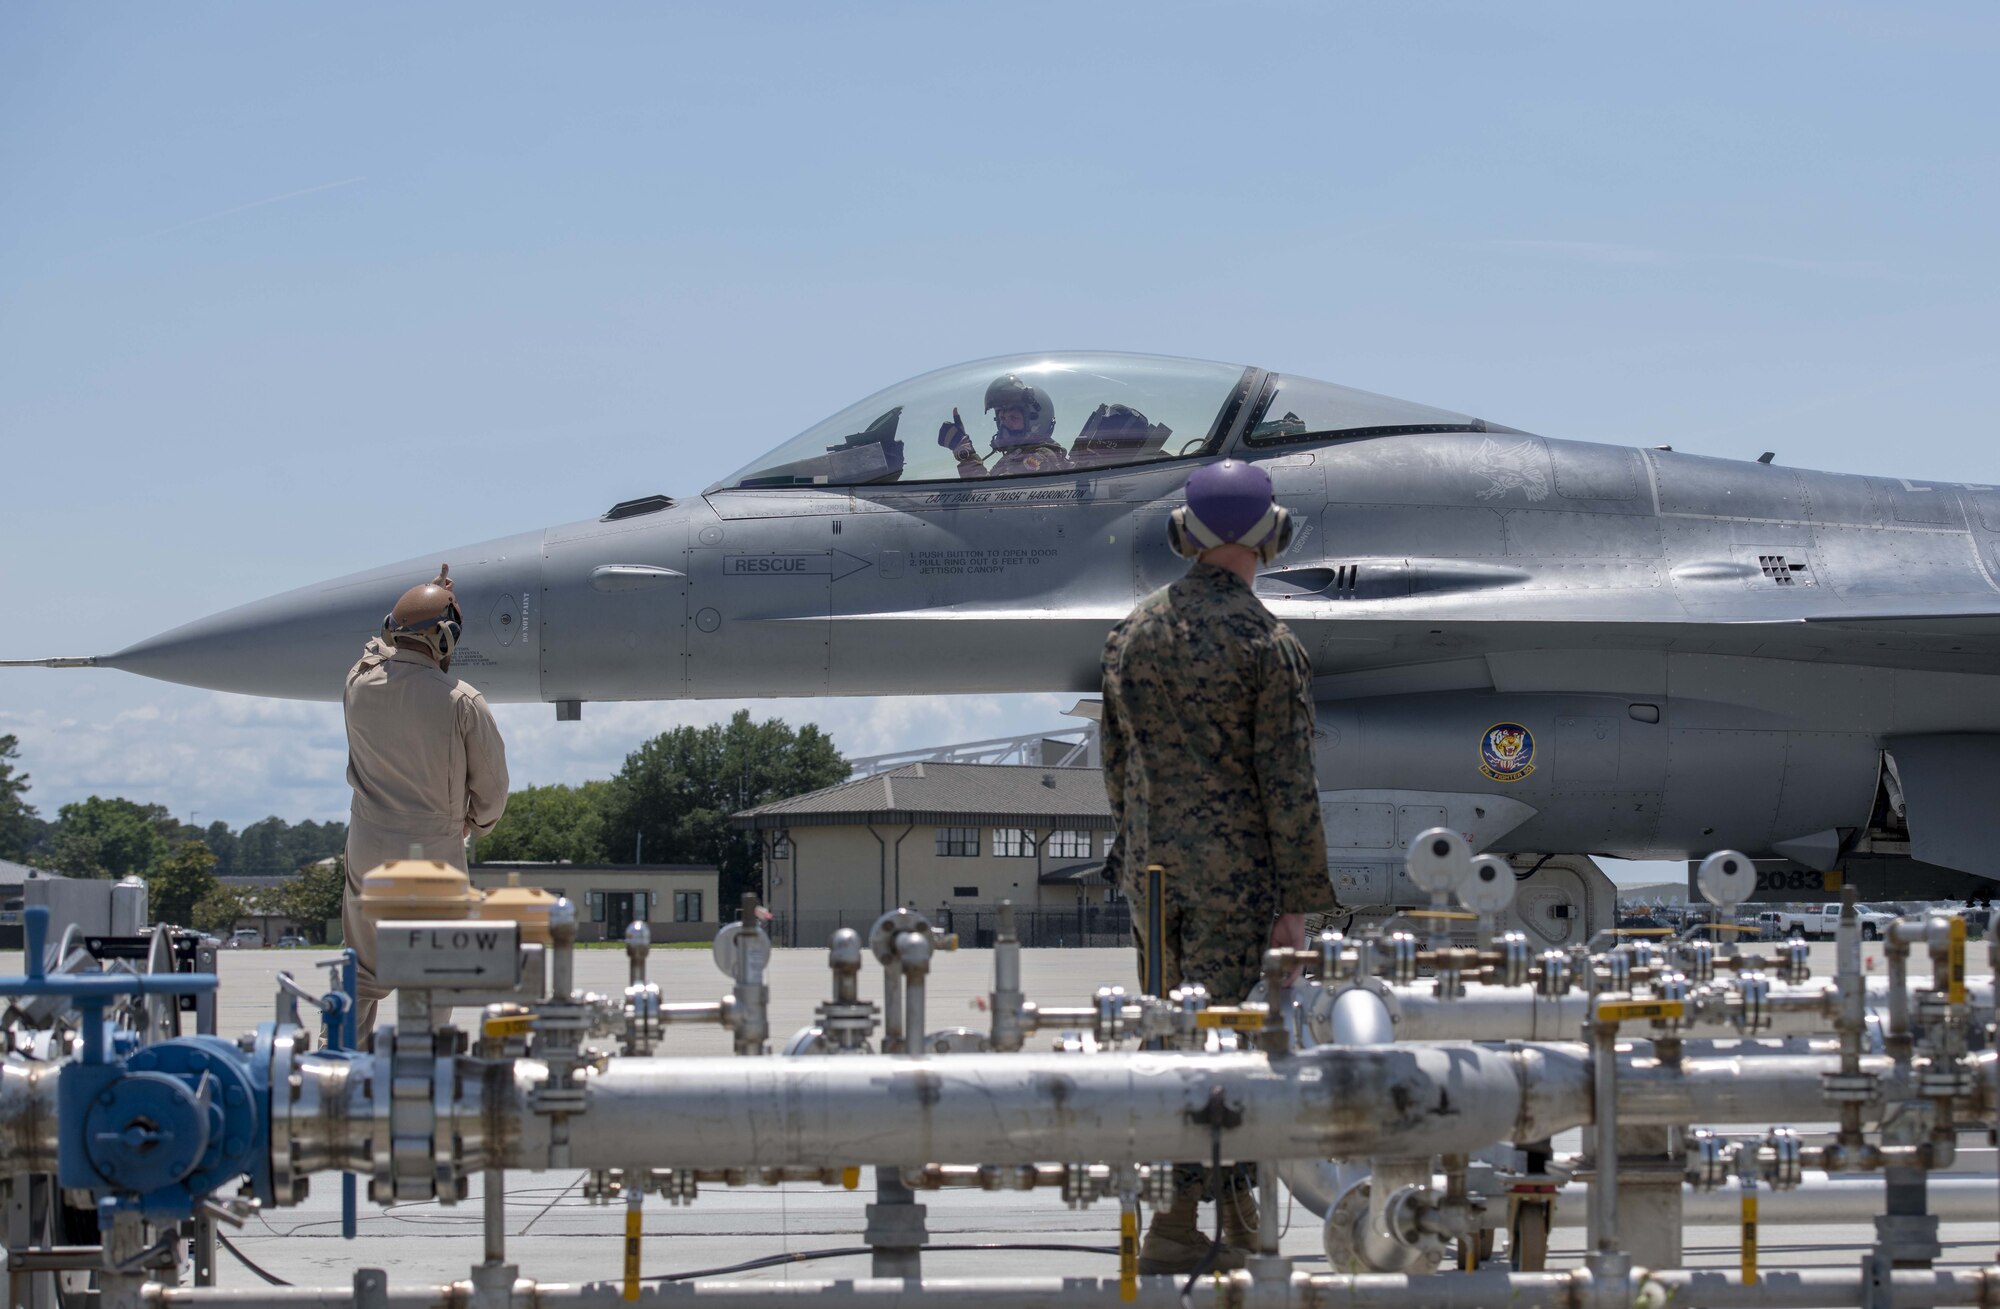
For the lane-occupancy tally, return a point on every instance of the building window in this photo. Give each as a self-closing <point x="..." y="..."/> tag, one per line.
<point x="958" y="842"/>
<point x="1069" y="845"/>
<point x="965" y="892"/>
<point x="597" y="906"/>
<point x="642" y="903"/>
<point x="1013" y="843"/>
<point x="781" y="846"/>
<point x="687" y="906"/>
<point x="1109" y="839"/>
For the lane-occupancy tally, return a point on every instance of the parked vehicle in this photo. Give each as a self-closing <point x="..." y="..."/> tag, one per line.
<point x="290" y="940"/>
<point x="246" y="938"/>
<point x="1816" y="921"/>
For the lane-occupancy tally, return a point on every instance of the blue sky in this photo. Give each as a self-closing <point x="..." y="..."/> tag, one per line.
<point x="286" y="291"/>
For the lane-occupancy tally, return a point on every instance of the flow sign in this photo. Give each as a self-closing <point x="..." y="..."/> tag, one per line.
<point x="466" y="955"/>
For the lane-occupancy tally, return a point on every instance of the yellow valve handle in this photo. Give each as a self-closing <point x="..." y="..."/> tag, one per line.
<point x="1642" y="931"/>
<point x="1128" y="1255"/>
<point x="1224" y="1016"/>
<point x="1455" y="915"/>
<point x="1955" y="984"/>
<point x="511" y="1025"/>
<point x="633" y="1226"/>
<point x="850" y="1178"/>
<point x="1622" y="1011"/>
<point x="1749" y="1238"/>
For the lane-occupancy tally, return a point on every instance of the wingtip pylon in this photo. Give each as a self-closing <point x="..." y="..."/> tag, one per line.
<point x="57" y="661"/>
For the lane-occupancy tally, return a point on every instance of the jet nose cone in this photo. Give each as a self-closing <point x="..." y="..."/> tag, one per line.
<point x="300" y="644"/>
<point x="297" y="646"/>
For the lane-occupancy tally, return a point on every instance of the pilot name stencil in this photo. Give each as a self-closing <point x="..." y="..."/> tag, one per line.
<point x="1040" y="495"/>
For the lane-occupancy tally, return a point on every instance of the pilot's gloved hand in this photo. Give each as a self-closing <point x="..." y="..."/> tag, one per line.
<point x="953" y="437"/>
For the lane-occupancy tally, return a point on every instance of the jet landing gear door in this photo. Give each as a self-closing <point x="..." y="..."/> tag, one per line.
<point x="760" y="622"/>
<point x="614" y="611"/>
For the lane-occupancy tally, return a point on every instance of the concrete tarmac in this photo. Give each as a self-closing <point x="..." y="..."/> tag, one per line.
<point x="555" y="1235"/>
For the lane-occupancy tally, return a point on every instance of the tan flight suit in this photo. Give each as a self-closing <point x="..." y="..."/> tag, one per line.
<point x="426" y="763"/>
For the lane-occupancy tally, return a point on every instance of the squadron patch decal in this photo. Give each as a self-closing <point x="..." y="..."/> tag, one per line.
<point x="1507" y="752"/>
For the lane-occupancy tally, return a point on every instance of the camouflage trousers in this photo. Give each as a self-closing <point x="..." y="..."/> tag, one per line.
<point x="1219" y="944"/>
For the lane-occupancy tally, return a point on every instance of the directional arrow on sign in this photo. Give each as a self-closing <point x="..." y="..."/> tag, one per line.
<point x="853" y="564"/>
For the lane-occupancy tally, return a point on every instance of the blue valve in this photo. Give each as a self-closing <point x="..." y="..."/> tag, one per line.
<point x="155" y="1129"/>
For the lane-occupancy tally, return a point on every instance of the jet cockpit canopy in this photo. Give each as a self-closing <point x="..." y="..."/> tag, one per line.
<point x="1053" y="413"/>
<point x="1074" y="412"/>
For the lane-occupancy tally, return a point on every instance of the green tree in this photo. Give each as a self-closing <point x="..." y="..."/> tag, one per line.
<point x="679" y="789"/>
<point x="313" y="896"/>
<point x="552" y="824"/>
<point x="219" y="838"/>
<point x="18" y="822"/>
<point x="218" y="911"/>
<point x="74" y="854"/>
<point x="273" y="847"/>
<point x="181" y="881"/>
<point x="260" y="849"/>
<point x="130" y="838"/>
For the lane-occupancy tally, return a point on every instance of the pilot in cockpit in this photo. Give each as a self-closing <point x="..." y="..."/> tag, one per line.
<point x="1024" y="433"/>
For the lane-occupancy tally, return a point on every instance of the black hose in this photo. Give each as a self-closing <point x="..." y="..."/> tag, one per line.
<point x="269" y="1277"/>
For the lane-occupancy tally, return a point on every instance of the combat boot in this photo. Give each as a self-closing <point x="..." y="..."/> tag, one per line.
<point x="1175" y="1243"/>
<point x="1238" y="1202"/>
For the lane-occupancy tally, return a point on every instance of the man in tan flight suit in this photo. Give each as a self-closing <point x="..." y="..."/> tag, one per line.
<point x="423" y="756"/>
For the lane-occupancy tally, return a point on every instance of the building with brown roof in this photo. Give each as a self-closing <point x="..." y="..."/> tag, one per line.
<point x="951" y="840"/>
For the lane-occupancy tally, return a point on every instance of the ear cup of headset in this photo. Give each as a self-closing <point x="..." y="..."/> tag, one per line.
<point x="1280" y="536"/>
<point x="450" y="625"/>
<point x="1178" y="536"/>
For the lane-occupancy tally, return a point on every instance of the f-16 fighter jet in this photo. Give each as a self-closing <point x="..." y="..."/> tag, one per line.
<point x="1548" y="645"/>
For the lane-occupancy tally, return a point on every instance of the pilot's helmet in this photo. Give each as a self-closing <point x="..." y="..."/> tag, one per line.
<point x="1035" y="405"/>
<point x="429" y="615"/>
<point x="1230" y="503"/>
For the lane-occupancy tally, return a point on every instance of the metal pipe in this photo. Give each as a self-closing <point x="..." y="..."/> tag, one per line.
<point x="893" y="1035"/>
<point x="1819" y="1199"/>
<point x="749" y="1012"/>
<point x="1749" y="1088"/>
<point x="28" y="1116"/>
<point x="1517" y="1013"/>
<point x="913" y="950"/>
<point x="1359" y="1018"/>
<point x="638" y="944"/>
<point x="493" y="1195"/>
<point x="562" y="933"/>
<point x="1574" y="1289"/>
<point x="1897" y="954"/>
<point x="1007" y="1032"/>
<point x="1028" y="1108"/>
<point x="1603" y="1240"/>
<point x="1001" y="1109"/>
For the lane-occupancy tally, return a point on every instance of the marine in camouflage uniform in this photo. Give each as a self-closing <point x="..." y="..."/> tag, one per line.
<point x="1207" y="738"/>
<point x="1207" y="732"/>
